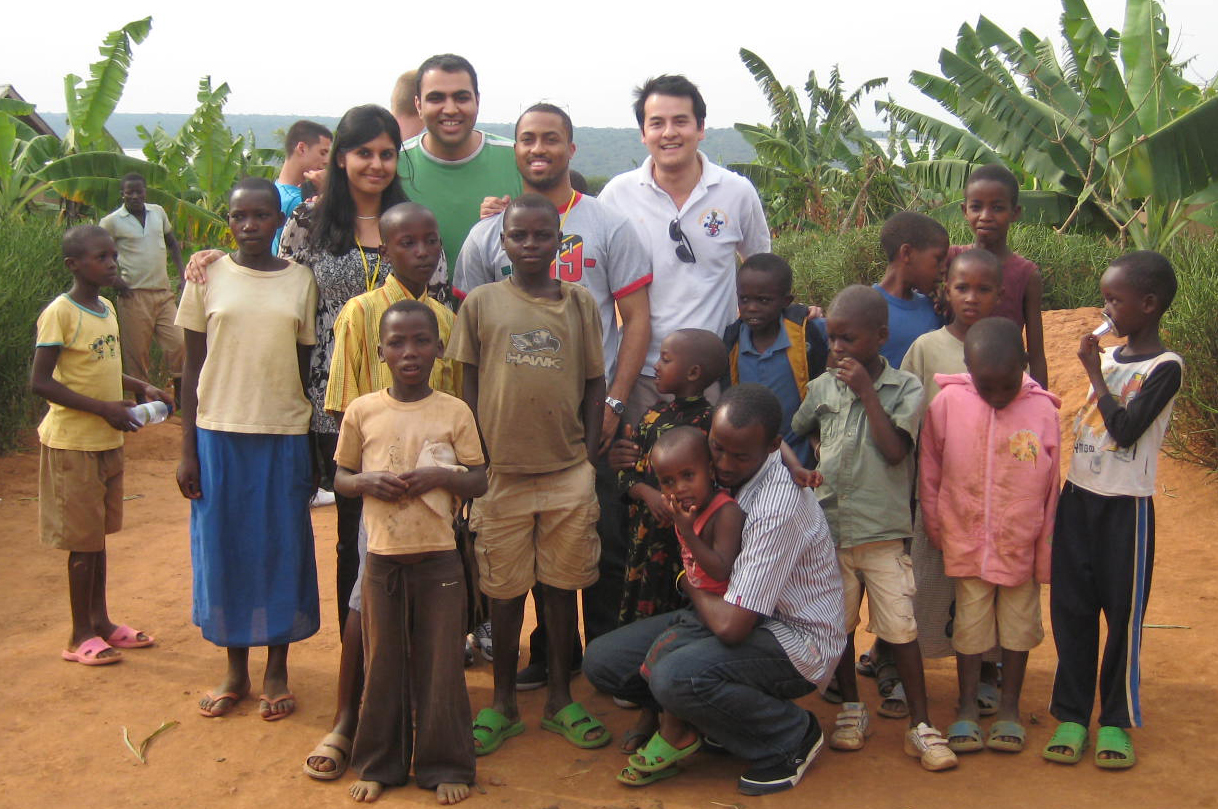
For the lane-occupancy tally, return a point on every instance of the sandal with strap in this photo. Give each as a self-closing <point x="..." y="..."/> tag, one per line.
<point x="658" y="754"/>
<point x="335" y="747"/>
<point x="637" y="778"/>
<point x="988" y="697"/>
<point x="1070" y="735"/>
<point x="893" y="705"/>
<point x="574" y="723"/>
<point x="492" y="729"/>
<point x="1111" y="739"/>
<point x="964" y="736"/>
<point x="1001" y="733"/>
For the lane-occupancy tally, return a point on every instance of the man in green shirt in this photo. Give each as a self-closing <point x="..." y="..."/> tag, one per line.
<point x="450" y="166"/>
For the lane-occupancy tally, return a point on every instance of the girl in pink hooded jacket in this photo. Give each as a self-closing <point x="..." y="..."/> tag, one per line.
<point x="989" y="483"/>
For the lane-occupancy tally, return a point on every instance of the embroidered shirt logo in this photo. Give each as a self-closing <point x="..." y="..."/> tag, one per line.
<point x="536" y="348"/>
<point x="713" y="221"/>
<point x="1024" y="446"/>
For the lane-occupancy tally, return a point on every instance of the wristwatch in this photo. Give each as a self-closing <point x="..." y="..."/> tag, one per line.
<point x="616" y="405"/>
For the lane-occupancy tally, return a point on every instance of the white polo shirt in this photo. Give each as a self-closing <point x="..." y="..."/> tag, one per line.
<point x="722" y="219"/>
<point x="141" y="246"/>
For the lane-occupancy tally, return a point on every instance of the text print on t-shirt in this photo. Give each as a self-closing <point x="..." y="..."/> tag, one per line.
<point x="538" y="348"/>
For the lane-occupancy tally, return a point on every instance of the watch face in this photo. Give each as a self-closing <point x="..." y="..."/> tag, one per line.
<point x="615" y="405"/>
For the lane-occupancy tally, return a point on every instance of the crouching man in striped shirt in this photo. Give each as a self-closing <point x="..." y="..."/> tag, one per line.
<point x="731" y="665"/>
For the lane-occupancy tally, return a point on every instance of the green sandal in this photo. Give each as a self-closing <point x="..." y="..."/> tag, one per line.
<point x="637" y="778"/>
<point x="492" y="729"/>
<point x="1070" y="735"/>
<point x="999" y="733"/>
<point x="1111" y="739"/>
<point x="574" y="723"/>
<point x="658" y="754"/>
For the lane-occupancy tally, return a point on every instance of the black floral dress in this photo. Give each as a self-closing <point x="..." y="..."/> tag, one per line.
<point x="654" y="557"/>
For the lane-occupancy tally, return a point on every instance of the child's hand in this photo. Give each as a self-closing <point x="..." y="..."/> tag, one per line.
<point x="188" y="478"/>
<point x="854" y="374"/>
<point x="1089" y="353"/>
<point x="660" y="512"/>
<point x="381" y="485"/>
<point x="625" y="452"/>
<point x="683" y="518"/>
<point x="118" y="415"/>
<point x="153" y="392"/>
<point x="807" y="478"/>
<point x="424" y="479"/>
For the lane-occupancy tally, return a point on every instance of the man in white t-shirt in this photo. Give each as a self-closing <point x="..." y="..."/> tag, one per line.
<point x="600" y="251"/>
<point x="696" y="219"/>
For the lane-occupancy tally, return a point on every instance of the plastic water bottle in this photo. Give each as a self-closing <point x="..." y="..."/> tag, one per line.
<point x="150" y="413"/>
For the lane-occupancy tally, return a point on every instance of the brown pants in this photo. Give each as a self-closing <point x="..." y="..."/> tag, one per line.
<point x="141" y="314"/>
<point x="414" y="624"/>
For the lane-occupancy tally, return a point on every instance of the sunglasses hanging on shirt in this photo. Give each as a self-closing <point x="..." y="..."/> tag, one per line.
<point x="685" y="251"/>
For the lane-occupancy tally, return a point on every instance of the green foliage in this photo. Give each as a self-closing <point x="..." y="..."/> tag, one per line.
<point x="1115" y="125"/>
<point x="90" y="106"/>
<point x="1071" y="265"/>
<point x="31" y="274"/>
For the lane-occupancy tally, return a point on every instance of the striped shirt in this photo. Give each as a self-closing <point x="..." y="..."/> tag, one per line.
<point x="355" y="368"/>
<point x="787" y="571"/>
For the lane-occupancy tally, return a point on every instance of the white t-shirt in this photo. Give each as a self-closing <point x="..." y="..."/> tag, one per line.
<point x="600" y="251"/>
<point x="722" y="219"/>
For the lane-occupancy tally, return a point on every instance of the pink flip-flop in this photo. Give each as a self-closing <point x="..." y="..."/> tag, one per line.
<point x="87" y="653"/>
<point x="125" y="637"/>
<point x="274" y="716"/>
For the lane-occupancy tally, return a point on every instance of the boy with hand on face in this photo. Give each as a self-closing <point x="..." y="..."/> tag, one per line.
<point x="865" y="413"/>
<point x="530" y="346"/>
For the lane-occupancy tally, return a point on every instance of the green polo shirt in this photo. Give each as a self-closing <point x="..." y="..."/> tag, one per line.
<point x="865" y="499"/>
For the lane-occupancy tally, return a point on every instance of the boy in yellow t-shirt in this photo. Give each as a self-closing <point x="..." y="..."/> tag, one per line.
<point x="78" y="369"/>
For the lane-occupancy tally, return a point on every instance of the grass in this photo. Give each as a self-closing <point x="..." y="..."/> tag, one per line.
<point x="1071" y="266"/>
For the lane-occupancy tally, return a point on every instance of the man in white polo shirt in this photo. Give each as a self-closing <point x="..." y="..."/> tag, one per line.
<point x="695" y="218"/>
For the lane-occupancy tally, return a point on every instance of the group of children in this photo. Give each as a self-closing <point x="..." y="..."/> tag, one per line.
<point x="933" y="454"/>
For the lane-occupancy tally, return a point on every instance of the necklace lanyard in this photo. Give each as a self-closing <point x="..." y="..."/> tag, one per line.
<point x="562" y="220"/>
<point x="370" y="274"/>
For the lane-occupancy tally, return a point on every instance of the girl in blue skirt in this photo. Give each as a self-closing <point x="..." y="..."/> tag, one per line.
<point x="245" y="452"/>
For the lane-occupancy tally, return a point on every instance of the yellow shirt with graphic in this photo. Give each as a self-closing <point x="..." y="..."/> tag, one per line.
<point x="90" y="363"/>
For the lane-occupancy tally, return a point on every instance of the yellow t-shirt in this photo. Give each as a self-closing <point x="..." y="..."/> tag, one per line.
<point x="90" y="364"/>
<point x="355" y="368"/>
<point x="379" y="433"/>
<point x="250" y="382"/>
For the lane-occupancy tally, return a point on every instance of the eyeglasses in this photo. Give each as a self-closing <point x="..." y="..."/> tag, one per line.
<point x="685" y="251"/>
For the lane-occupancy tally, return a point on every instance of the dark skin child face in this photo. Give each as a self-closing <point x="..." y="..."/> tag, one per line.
<point x="530" y="238"/>
<point x="409" y="347"/>
<point x="97" y="264"/>
<point x="413" y="248"/>
<point x="761" y="299"/>
<point x="685" y="474"/>
<point x="989" y="212"/>
<point x="253" y="218"/>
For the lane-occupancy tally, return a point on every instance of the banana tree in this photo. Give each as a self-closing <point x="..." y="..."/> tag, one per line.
<point x="90" y="106"/>
<point x="1113" y="124"/>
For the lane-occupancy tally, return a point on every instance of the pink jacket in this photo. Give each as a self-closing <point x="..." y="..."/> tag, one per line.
<point x="989" y="481"/>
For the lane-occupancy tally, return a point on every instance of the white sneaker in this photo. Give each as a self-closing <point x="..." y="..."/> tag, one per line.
<point x="928" y="744"/>
<point x="482" y="639"/>
<point x="322" y="497"/>
<point x="853" y="727"/>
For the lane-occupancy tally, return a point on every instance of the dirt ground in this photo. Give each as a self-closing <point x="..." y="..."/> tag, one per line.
<point x="63" y="723"/>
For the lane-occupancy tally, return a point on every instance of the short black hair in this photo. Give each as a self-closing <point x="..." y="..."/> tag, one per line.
<point x="750" y="403"/>
<point x="532" y="202"/>
<point x="977" y="255"/>
<point x="996" y="342"/>
<point x="862" y="303"/>
<point x="410" y="307"/>
<point x="915" y="229"/>
<point x="578" y="181"/>
<point x="256" y="184"/>
<point x="669" y="85"/>
<point x="552" y="109"/>
<point x="132" y="177"/>
<point x="1150" y="273"/>
<point x="306" y="132"/>
<point x="998" y="173"/>
<point x="394" y="216"/>
<point x="771" y="264"/>
<point x="447" y="62"/>
<point x="706" y="349"/>
<point x="76" y="239"/>
<point x="685" y="435"/>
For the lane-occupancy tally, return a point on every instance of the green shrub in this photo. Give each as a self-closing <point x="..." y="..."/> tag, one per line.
<point x="1071" y="266"/>
<point x="31" y="274"/>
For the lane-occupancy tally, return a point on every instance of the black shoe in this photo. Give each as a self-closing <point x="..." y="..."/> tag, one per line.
<point x="531" y="677"/>
<point x="785" y="774"/>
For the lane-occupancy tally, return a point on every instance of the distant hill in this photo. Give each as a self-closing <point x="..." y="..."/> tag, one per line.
<point x="601" y="151"/>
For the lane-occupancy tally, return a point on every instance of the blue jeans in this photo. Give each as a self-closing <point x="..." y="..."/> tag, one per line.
<point x="738" y="695"/>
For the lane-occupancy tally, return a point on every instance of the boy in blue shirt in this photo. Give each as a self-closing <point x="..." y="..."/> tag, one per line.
<point x="770" y="343"/>
<point x="916" y="248"/>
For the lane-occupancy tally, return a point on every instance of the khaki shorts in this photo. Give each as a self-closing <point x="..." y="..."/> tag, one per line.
<point x="886" y="570"/>
<point x="80" y="497"/>
<point x="989" y="615"/>
<point x="537" y="528"/>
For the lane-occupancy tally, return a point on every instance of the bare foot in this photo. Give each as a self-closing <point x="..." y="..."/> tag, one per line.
<point x="647" y="724"/>
<point x="447" y="794"/>
<point x="366" y="791"/>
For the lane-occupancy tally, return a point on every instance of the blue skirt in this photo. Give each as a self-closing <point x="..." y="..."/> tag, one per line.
<point x="251" y="540"/>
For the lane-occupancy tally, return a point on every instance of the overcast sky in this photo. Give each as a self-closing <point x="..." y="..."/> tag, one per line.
<point x="304" y="57"/>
